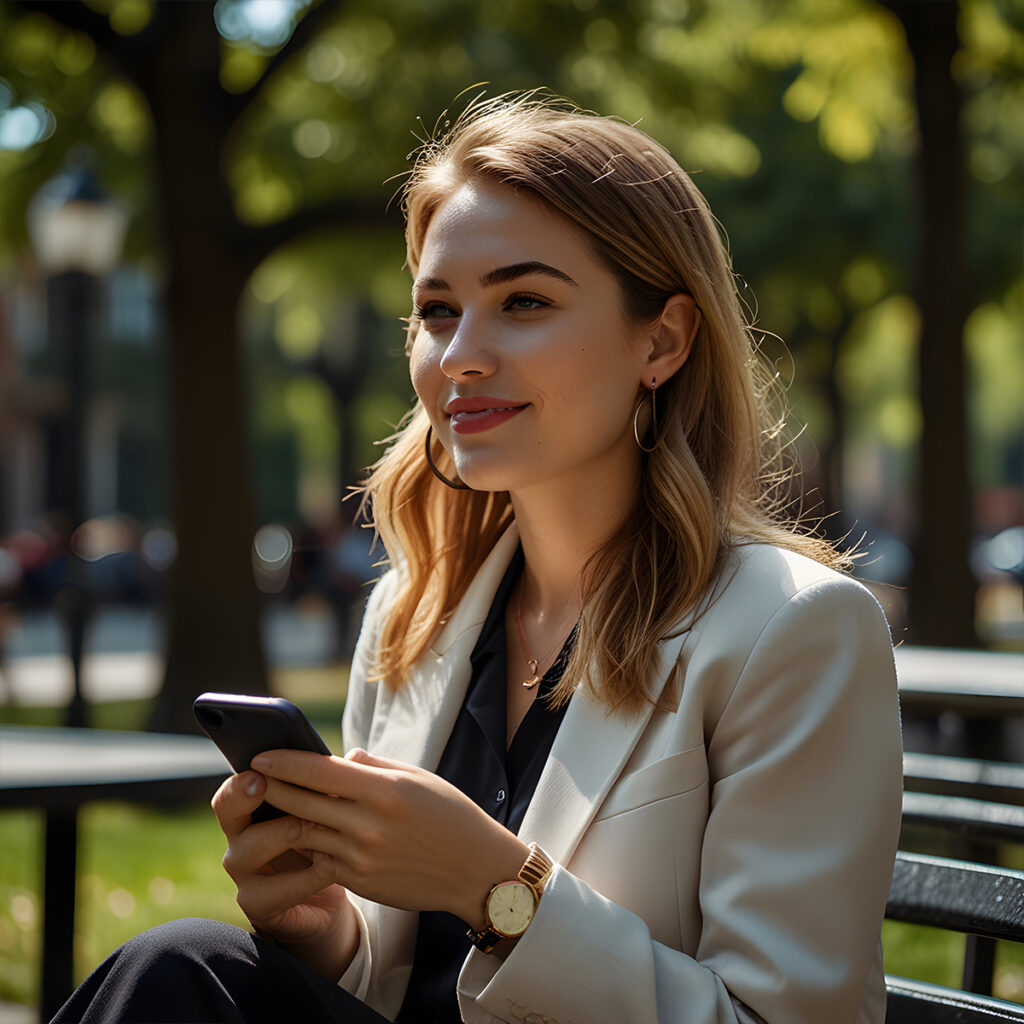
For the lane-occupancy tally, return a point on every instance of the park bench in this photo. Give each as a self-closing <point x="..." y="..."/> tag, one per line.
<point x="969" y="800"/>
<point x="985" y="904"/>
<point x="974" y="799"/>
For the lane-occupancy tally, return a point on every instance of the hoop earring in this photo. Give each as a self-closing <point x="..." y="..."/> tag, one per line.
<point x="455" y="485"/>
<point x="654" y="422"/>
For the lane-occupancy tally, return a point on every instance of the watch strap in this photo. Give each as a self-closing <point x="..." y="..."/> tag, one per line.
<point x="486" y="939"/>
<point x="536" y="870"/>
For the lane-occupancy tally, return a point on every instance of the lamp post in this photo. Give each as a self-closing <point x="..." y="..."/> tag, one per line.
<point x="76" y="232"/>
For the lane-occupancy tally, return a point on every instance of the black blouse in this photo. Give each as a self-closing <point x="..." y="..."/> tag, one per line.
<point x="501" y="782"/>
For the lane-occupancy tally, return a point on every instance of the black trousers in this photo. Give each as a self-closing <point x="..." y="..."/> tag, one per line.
<point x="195" y="971"/>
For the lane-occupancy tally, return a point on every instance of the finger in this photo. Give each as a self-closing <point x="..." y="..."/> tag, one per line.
<point x="236" y="799"/>
<point x="335" y="776"/>
<point x="262" y="897"/>
<point x="265" y="848"/>
<point x="364" y="757"/>
<point x="336" y="813"/>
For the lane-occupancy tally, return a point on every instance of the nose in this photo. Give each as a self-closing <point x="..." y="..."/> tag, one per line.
<point x="467" y="354"/>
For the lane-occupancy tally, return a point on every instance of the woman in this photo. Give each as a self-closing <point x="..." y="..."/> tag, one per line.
<point x="599" y="667"/>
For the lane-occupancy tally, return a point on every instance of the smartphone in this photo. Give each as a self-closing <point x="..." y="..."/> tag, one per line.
<point x="243" y="726"/>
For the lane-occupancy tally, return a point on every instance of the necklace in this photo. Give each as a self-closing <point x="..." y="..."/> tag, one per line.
<point x="530" y="683"/>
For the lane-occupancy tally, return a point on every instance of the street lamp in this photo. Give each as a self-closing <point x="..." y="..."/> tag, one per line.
<point x="76" y="232"/>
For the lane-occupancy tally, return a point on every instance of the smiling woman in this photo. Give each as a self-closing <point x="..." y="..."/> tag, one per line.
<point x="507" y="344"/>
<point x="623" y="744"/>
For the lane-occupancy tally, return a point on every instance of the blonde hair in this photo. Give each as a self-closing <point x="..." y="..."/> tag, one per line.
<point x="715" y="478"/>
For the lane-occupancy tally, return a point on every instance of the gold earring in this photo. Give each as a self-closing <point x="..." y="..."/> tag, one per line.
<point x="654" y="421"/>
<point x="455" y="485"/>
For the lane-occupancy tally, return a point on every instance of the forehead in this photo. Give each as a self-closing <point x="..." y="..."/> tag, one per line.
<point x="483" y="225"/>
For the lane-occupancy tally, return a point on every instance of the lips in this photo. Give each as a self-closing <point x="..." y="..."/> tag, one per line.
<point x="482" y="412"/>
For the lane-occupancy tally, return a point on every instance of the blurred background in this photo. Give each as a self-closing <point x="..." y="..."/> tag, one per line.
<point x="201" y="279"/>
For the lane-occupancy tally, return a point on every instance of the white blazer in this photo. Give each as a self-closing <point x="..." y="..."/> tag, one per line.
<point x="726" y="861"/>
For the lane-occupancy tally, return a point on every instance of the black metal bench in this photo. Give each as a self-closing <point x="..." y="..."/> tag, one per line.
<point x="986" y="904"/>
<point x="979" y="800"/>
<point x="972" y="800"/>
<point x="997" y="781"/>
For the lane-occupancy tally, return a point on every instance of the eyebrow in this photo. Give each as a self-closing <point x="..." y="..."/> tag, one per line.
<point x="502" y="275"/>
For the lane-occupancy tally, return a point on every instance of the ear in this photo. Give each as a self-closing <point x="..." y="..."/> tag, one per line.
<point x="670" y="338"/>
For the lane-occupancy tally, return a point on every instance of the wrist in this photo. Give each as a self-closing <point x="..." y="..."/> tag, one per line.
<point x="503" y="866"/>
<point x="510" y="905"/>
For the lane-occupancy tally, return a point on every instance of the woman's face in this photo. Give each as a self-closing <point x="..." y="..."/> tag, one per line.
<point x="522" y="355"/>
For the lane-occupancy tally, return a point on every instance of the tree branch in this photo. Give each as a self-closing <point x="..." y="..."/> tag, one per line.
<point x="130" y="54"/>
<point x="305" y="32"/>
<point x="254" y="244"/>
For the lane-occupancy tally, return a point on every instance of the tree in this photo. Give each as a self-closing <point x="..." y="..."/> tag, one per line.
<point x="214" y="637"/>
<point x="944" y="527"/>
<point x="794" y="113"/>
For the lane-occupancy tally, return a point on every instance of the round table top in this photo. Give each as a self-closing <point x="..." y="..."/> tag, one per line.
<point x="49" y="767"/>
<point x="972" y="682"/>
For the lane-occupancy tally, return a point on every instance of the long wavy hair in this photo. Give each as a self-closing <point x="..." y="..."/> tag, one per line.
<point x="717" y="477"/>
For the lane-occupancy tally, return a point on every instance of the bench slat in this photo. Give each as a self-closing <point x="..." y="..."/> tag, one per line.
<point x="911" y="1002"/>
<point x="980" y="819"/>
<point x="997" y="781"/>
<point x="958" y="896"/>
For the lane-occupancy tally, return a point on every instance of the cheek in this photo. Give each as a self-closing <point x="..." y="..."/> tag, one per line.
<point x="423" y="370"/>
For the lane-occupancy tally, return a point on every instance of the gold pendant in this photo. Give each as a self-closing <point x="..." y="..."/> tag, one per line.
<point x="529" y="684"/>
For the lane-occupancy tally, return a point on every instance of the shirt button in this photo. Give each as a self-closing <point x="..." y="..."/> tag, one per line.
<point x="500" y="797"/>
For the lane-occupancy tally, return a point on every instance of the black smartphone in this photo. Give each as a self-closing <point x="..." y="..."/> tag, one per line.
<point x="243" y="726"/>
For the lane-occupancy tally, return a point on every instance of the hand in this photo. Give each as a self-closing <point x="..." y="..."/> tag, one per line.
<point x="391" y="832"/>
<point x="288" y="898"/>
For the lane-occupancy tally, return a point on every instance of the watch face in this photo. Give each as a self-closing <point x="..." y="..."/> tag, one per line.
<point x="510" y="908"/>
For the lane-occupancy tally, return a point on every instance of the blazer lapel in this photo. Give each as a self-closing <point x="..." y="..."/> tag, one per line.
<point x="423" y="711"/>
<point x="587" y="757"/>
<point x="589" y="751"/>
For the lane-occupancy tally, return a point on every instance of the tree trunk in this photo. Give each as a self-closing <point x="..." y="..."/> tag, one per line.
<point x="836" y="521"/>
<point x="942" y="585"/>
<point x="213" y="617"/>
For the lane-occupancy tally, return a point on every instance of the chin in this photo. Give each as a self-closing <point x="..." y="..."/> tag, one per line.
<point x="487" y="475"/>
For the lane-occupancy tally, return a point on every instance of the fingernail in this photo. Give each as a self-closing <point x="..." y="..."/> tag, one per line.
<point x="254" y="787"/>
<point x="354" y="754"/>
<point x="261" y="764"/>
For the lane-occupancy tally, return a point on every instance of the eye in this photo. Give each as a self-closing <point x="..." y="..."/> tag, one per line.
<point x="433" y="311"/>
<point x="524" y="303"/>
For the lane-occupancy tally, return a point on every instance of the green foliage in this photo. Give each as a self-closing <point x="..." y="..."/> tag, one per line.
<point x="797" y="116"/>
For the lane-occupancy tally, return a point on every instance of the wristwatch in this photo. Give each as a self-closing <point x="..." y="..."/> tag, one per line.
<point x="510" y="906"/>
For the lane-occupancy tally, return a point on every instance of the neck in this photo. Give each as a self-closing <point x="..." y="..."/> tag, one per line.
<point x="561" y="525"/>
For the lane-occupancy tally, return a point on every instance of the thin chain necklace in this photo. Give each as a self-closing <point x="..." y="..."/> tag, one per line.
<point x="530" y="683"/>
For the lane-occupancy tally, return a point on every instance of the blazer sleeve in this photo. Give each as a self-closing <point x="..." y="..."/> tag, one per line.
<point x="805" y="767"/>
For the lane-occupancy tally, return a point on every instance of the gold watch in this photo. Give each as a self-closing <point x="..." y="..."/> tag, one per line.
<point x="510" y="906"/>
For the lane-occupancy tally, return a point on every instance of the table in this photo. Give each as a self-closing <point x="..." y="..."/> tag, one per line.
<point x="986" y="688"/>
<point x="58" y="770"/>
<point x="969" y="682"/>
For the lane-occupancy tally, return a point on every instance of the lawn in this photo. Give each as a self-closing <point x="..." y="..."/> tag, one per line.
<point x="140" y="866"/>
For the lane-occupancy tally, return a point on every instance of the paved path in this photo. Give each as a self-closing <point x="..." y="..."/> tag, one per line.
<point x="123" y="660"/>
<point x="15" y="1013"/>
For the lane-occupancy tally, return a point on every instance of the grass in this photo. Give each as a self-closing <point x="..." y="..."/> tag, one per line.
<point x="141" y="866"/>
<point x="138" y="866"/>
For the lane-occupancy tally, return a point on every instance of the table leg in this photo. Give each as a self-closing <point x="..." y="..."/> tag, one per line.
<point x="60" y="864"/>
